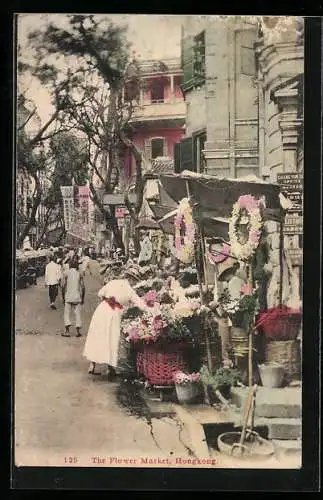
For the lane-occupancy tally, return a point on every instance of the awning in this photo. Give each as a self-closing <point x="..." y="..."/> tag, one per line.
<point x="215" y="197"/>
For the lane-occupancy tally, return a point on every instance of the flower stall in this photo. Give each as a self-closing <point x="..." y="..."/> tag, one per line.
<point x="235" y="211"/>
<point x="164" y="338"/>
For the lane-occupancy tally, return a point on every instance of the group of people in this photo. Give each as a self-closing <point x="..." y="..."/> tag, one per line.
<point x="66" y="270"/>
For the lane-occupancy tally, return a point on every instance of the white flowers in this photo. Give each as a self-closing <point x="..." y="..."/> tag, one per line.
<point x="249" y="204"/>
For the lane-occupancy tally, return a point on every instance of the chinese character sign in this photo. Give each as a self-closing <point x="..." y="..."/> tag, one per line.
<point x="83" y="197"/>
<point x="68" y="205"/>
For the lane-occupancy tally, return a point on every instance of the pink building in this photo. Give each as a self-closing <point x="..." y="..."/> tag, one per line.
<point x="158" y="122"/>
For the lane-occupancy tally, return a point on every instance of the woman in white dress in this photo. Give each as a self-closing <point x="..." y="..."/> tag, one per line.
<point x="102" y="342"/>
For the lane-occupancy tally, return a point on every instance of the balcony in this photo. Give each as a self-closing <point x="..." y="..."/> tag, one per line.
<point x="160" y="110"/>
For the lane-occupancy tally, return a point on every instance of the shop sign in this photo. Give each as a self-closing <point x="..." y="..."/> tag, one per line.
<point x="293" y="225"/>
<point x="296" y="256"/>
<point x="292" y="185"/>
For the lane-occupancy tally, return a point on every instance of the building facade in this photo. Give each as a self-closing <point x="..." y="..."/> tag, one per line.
<point x="158" y="122"/>
<point x="243" y="88"/>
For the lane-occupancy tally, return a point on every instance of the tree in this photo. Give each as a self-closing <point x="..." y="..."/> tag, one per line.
<point x="69" y="160"/>
<point x="32" y="142"/>
<point x="100" y="52"/>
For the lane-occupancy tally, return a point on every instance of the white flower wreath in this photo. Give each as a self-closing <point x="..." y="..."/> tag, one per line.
<point x="253" y="207"/>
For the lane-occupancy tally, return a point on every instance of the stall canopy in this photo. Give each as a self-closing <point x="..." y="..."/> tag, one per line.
<point x="215" y="197"/>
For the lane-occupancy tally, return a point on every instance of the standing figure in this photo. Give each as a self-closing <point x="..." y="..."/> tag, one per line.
<point x="53" y="276"/>
<point x="146" y="250"/>
<point x="102" y="342"/>
<point x="74" y="293"/>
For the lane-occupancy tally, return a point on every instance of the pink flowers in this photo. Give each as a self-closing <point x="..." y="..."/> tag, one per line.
<point x="159" y="324"/>
<point x="248" y="202"/>
<point x="246" y="289"/>
<point x="150" y="298"/>
<point x="185" y="378"/>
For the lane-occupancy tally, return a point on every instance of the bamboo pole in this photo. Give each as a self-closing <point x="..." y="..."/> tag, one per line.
<point x="281" y="263"/>
<point x="250" y="347"/>
<point x="199" y="260"/>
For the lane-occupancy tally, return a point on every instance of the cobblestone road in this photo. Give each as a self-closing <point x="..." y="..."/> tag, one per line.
<point x="60" y="411"/>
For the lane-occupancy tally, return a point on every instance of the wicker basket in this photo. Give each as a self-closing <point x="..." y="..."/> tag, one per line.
<point x="286" y="353"/>
<point x="159" y="363"/>
<point x="280" y="324"/>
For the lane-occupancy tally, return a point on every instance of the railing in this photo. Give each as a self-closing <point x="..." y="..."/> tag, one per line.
<point x="164" y="109"/>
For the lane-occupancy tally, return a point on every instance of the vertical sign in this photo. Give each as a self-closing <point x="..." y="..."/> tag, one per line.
<point x="68" y="205"/>
<point x="83" y="197"/>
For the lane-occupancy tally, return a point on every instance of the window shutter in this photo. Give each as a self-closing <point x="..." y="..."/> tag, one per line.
<point x="187" y="61"/>
<point x="165" y="148"/>
<point x="247" y="53"/>
<point x="187" y="154"/>
<point x="177" y="158"/>
<point x="148" y="149"/>
<point x="199" y="57"/>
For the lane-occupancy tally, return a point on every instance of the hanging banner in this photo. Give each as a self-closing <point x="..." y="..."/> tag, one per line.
<point x="83" y="201"/>
<point x="68" y="205"/>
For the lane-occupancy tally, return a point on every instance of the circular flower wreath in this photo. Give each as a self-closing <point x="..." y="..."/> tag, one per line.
<point x="184" y="245"/>
<point x="253" y="207"/>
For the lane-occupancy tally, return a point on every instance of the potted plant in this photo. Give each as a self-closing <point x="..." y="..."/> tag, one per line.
<point x="187" y="386"/>
<point x="222" y="380"/>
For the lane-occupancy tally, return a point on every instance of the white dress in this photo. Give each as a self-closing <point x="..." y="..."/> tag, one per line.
<point x="102" y="342"/>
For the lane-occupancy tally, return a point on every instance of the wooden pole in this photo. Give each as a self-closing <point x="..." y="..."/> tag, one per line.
<point x="281" y="263"/>
<point x="250" y="347"/>
<point x="199" y="259"/>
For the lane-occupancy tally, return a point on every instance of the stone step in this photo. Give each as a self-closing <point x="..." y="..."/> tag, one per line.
<point x="279" y="428"/>
<point x="272" y="402"/>
<point x="286" y="448"/>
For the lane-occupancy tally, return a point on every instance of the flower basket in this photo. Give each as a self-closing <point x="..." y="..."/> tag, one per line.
<point x="159" y="362"/>
<point x="287" y="354"/>
<point x="280" y="323"/>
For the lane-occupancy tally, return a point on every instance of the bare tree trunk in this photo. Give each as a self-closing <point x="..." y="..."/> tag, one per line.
<point x="46" y="222"/>
<point x="32" y="217"/>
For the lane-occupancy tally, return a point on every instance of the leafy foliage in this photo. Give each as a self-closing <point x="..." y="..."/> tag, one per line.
<point x="223" y="377"/>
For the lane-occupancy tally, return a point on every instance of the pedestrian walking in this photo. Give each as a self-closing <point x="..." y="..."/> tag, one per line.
<point x="53" y="276"/>
<point x="74" y="293"/>
<point x="103" y="338"/>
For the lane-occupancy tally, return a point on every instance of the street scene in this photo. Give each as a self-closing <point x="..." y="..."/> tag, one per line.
<point x="159" y="243"/>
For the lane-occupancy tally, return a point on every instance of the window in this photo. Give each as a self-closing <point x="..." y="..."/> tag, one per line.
<point x="193" y="60"/>
<point x="157" y="147"/>
<point x="157" y="90"/>
<point x="198" y="147"/>
<point x="199" y="57"/>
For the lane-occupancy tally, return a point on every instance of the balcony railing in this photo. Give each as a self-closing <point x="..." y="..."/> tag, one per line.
<point x="164" y="109"/>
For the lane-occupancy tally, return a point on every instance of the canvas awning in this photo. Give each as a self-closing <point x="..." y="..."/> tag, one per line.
<point x="215" y="197"/>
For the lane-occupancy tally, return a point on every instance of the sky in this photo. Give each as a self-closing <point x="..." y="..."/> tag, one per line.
<point x="152" y="37"/>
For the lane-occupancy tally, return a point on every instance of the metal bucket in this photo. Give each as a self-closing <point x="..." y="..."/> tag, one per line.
<point x="187" y="393"/>
<point x="271" y="374"/>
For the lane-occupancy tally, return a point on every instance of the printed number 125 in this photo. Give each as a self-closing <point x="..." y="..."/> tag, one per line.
<point x="70" y="460"/>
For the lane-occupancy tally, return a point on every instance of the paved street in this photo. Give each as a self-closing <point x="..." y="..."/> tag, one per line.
<point x="60" y="410"/>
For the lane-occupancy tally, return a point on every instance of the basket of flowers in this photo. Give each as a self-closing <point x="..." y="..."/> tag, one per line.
<point x="280" y="323"/>
<point x="162" y="340"/>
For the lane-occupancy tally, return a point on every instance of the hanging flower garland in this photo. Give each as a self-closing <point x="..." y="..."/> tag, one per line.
<point x="184" y="244"/>
<point x="248" y="205"/>
<point x="223" y="254"/>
